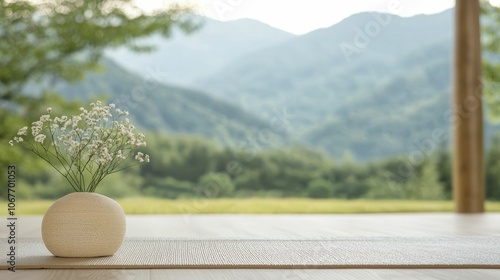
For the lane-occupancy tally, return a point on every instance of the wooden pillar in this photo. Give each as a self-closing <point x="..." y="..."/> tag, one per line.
<point x="468" y="175"/>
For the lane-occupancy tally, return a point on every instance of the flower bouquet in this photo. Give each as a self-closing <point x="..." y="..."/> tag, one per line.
<point x="84" y="149"/>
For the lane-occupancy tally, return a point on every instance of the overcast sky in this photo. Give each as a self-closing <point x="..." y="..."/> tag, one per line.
<point x="302" y="16"/>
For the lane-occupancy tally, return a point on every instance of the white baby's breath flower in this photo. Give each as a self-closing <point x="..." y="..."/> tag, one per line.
<point x="139" y="157"/>
<point x="102" y="138"/>
<point x="67" y="123"/>
<point x="119" y="155"/>
<point x="45" y="118"/>
<point x="40" y="138"/>
<point x="36" y="127"/>
<point x="23" y="131"/>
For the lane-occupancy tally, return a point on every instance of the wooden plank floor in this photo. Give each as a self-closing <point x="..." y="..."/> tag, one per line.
<point x="282" y="226"/>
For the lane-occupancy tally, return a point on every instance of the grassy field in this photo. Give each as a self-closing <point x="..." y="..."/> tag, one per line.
<point x="261" y="206"/>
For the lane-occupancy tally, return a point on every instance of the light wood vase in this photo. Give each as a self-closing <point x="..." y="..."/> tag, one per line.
<point x="83" y="224"/>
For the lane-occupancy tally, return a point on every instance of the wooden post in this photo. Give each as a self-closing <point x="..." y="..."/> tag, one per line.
<point x="468" y="175"/>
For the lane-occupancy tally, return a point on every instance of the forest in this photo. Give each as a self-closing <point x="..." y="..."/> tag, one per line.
<point x="187" y="166"/>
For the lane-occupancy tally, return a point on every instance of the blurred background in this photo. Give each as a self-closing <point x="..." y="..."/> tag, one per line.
<point x="251" y="101"/>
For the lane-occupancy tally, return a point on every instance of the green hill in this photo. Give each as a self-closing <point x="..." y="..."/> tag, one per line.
<point x="158" y="107"/>
<point x="398" y="116"/>
<point x="373" y="85"/>
<point x="311" y="74"/>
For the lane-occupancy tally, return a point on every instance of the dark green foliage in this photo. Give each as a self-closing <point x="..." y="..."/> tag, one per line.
<point x="183" y="159"/>
<point x="319" y="188"/>
<point x="443" y="167"/>
<point x="167" y="188"/>
<point x="212" y="185"/>
<point x="492" y="182"/>
<point x="491" y="54"/>
<point x="63" y="39"/>
<point x="184" y="166"/>
<point x="424" y="184"/>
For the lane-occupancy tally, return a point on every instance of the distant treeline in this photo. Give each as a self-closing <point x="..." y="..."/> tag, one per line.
<point x="186" y="166"/>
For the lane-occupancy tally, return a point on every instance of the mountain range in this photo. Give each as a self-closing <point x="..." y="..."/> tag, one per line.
<point x="373" y="85"/>
<point x="185" y="58"/>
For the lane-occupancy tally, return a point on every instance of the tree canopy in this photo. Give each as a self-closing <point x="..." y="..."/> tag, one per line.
<point x="62" y="39"/>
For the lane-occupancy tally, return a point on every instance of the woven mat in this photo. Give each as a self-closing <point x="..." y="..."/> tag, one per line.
<point x="379" y="252"/>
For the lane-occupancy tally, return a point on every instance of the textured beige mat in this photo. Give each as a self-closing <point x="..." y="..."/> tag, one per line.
<point x="370" y="252"/>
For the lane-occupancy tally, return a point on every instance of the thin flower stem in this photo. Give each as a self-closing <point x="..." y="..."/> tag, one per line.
<point x="85" y="148"/>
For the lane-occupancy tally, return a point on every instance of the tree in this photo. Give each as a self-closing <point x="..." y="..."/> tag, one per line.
<point x="214" y="184"/>
<point x="492" y="167"/>
<point x="62" y="39"/>
<point x="319" y="188"/>
<point x="491" y="63"/>
<point x="491" y="90"/>
<point x="443" y="166"/>
<point x="425" y="184"/>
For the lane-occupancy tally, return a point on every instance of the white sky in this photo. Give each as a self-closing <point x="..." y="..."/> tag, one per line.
<point x="302" y="16"/>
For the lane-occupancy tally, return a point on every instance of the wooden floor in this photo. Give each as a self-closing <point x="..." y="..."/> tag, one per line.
<point x="282" y="226"/>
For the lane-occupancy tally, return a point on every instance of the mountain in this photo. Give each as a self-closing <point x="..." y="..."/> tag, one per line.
<point x="158" y="107"/>
<point x="373" y="84"/>
<point x="314" y="73"/>
<point x="397" y="116"/>
<point x="190" y="57"/>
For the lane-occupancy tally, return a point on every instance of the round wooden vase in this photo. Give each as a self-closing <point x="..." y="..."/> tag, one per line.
<point x="83" y="224"/>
